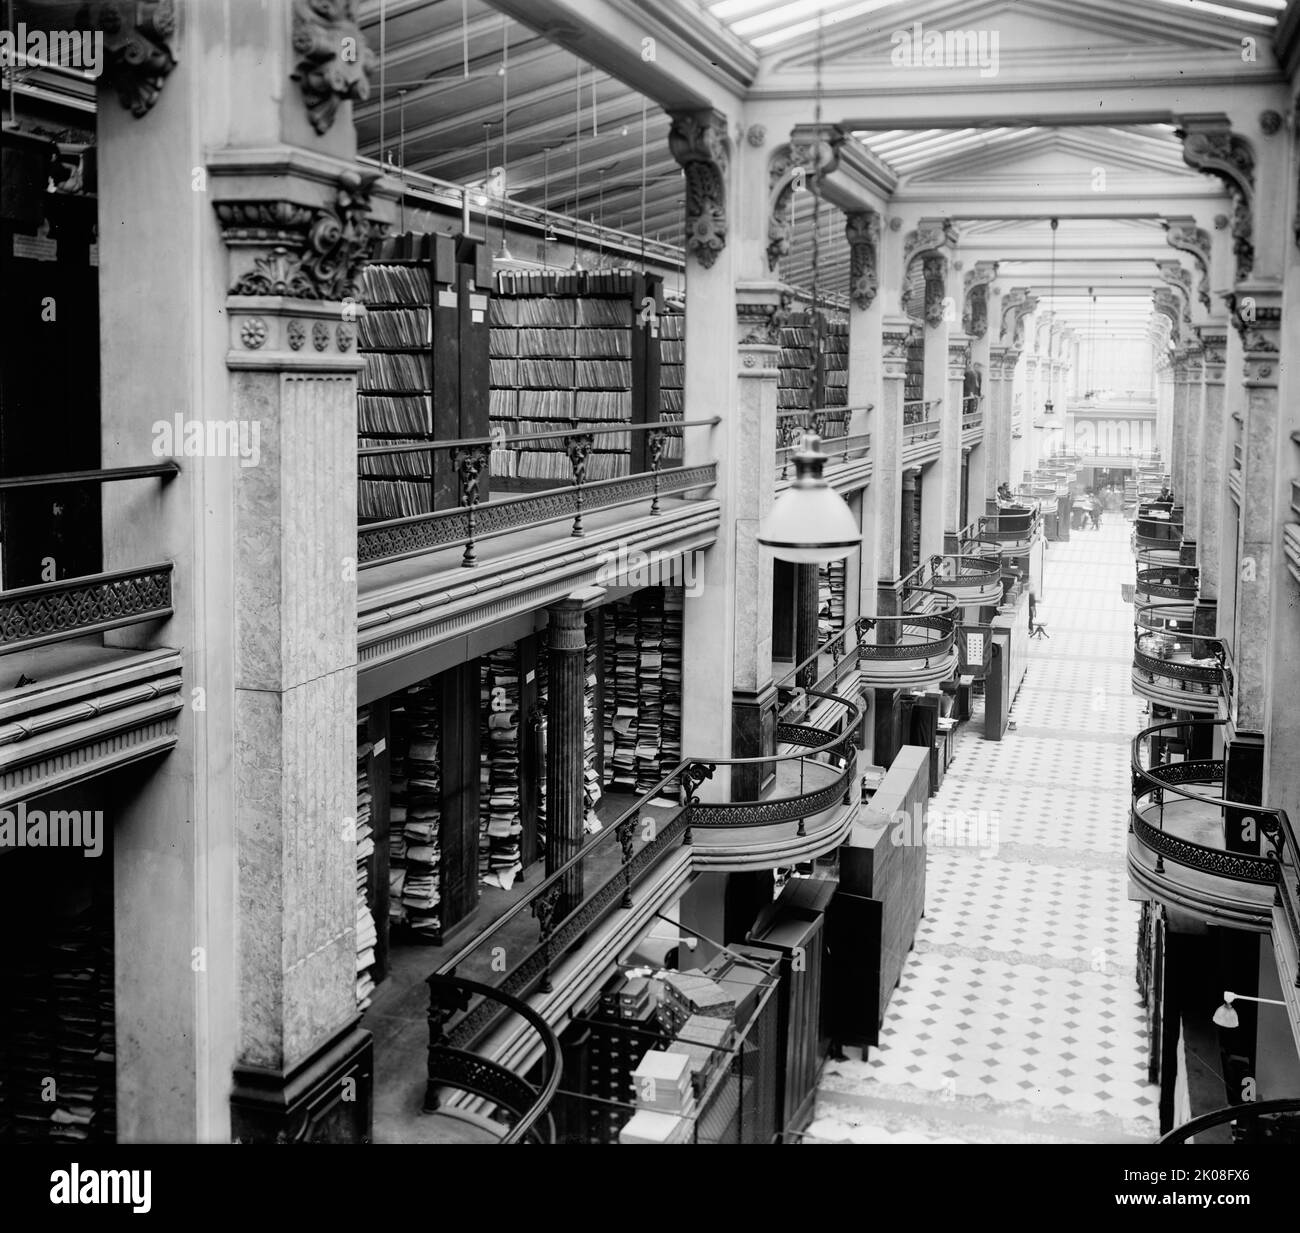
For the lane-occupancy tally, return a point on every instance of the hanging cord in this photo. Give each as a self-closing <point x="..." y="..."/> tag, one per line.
<point x="818" y="393"/>
<point x="401" y="152"/>
<point x="504" y="254"/>
<point x="643" y="178"/>
<point x="577" y="160"/>
<point x="383" y="75"/>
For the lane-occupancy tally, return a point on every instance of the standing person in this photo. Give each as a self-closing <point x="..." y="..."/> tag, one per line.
<point x="1096" y="514"/>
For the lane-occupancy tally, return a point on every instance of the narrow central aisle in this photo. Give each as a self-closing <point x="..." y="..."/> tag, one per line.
<point x="1018" y="1018"/>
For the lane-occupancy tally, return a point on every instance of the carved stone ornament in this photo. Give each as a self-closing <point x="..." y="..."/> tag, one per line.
<point x="334" y="61"/>
<point x="928" y="237"/>
<point x="1256" y="324"/>
<point x="316" y="254"/>
<point x="297" y="334"/>
<point x="1228" y="156"/>
<point x="1166" y="303"/>
<point x="1189" y="238"/>
<point x="760" y="323"/>
<point x="1215" y="348"/>
<point x="253" y="333"/>
<point x="137" y="57"/>
<point x="756" y="135"/>
<point x="935" y="268"/>
<point x="699" y="142"/>
<point x="1270" y="122"/>
<point x="795" y="162"/>
<point x="862" y="230"/>
<point x="1181" y="281"/>
<point x="894" y="344"/>
<point x="975" y="316"/>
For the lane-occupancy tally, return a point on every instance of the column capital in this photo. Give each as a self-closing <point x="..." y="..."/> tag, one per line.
<point x="701" y="144"/>
<point x="1210" y="146"/>
<point x="761" y="308"/>
<point x="1017" y="304"/>
<point x="958" y="355"/>
<point x="1184" y="235"/>
<point x="1214" y="347"/>
<point x="862" y="230"/>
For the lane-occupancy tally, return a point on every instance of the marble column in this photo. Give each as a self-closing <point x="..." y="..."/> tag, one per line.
<point x="1214" y="464"/>
<point x="1234" y="408"/>
<point x="234" y="860"/>
<point x="754" y="701"/>
<point x="997" y="426"/>
<point x="934" y="496"/>
<point x="886" y="491"/>
<point x="1193" y="476"/>
<point x="867" y="265"/>
<point x="701" y="142"/>
<point x="950" y="449"/>
<point x="566" y="685"/>
<point x="1258" y="498"/>
<point x="1178" y="424"/>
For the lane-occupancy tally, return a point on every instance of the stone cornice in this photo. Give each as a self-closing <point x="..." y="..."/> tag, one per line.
<point x="1210" y="146"/>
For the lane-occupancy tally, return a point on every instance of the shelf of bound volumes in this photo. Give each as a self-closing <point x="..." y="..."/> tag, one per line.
<point x="367" y="934"/>
<point x="501" y="819"/>
<point x="835" y="366"/>
<point x="423" y="341"/>
<point x="830" y="599"/>
<point x="591" y="708"/>
<point x="415" y="814"/>
<point x="914" y="378"/>
<point x="672" y="375"/>
<point x="569" y="351"/>
<point x="57" y="1018"/>
<point x="642" y="688"/>
<point x="797" y="364"/>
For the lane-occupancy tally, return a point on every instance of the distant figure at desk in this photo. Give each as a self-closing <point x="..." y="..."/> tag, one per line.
<point x="1004" y="492"/>
<point x="1165" y="495"/>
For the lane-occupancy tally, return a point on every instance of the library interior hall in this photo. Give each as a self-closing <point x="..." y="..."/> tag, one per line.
<point x="698" y="571"/>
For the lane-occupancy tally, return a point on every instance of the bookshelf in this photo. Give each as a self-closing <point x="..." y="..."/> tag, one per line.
<point x="642" y="666"/>
<point x="423" y="340"/>
<point x="570" y="351"/>
<point x="830" y="599"/>
<point x="672" y="376"/>
<point x="422" y="825"/>
<point x="797" y="364"/>
<point x="367" y="933"/>
<point x="914" y="376"/>
<point x="592" y="752"/>
<point x="501" y="821"/>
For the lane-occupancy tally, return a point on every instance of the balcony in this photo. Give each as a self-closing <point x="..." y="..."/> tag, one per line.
<point x="1158" y="528"/>
<point x="1254" y="1123"/>
<point x="1160" y="582"/>
<point x="1177" y="847"/>
<point x="912" y="650"/>
<point x="427" y="578"/>
<point x="973" y="581"/>
<point x="848" y="466"/>
<point x="489" y="1027"/>
<point x="921" y="427"/>
<point x="1174" y="667"/>
<point x="72" y="707"/>
<point x="1014" y="529"/>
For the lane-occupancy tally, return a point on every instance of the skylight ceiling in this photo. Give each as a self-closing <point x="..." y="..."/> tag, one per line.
<point x="768" y="24"/>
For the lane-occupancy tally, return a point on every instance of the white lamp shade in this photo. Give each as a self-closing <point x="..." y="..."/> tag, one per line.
<point x="810" y="525"/>
<point x="1226" y="1016"/>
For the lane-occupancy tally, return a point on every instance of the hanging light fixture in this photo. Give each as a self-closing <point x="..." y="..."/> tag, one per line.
<point x="548" y="235"/>
<point x="1226" y="1016"/>
<point x="810" y="523"/>
<point x="1048" y="408"/>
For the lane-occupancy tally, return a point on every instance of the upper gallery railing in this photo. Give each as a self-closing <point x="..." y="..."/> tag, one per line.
<point x="1155" y="782"/>
<point x="472" y="521"/>
<point x="79" y="607"/>
<point x="831" y="424"/>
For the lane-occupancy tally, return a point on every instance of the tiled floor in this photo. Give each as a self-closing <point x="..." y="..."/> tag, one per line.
<point x="1017" y="1018"/>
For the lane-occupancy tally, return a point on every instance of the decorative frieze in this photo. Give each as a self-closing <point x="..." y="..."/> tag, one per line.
<point x="934" y="266"/>
<point x="700" y="144"/>
<point x="314" y="253"/>
<point x="334" y="61"/>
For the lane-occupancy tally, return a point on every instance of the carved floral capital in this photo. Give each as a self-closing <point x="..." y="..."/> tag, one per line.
<point x="334" y="61"/>
<point x="700" y="144"/>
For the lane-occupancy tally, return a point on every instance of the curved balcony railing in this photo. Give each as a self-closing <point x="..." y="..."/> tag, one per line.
<point x="971" y="580"/>
<point x="1158" y="527"/>
<point x="1013" y="527"/>
<point x="817" y="775"/>
<point x="1273" y="1122"/>
<point x="1178" y="850"/>
<point x="523" y="1106"/>
<point x="1173" y="666"/>
<point x="1167" y="582"/>
<point x="914" y="649"/>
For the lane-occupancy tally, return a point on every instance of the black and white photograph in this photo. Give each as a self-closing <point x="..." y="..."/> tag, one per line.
<point x="599" y="572"/>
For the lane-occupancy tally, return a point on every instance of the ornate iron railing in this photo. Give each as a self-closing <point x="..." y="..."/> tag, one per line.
<point x="643" y="840"/>
<point x="80" y="607"/>
<point x="921" y="430"/>
<point x="1152" y="784"/>
<point x="831" y="424"/>
<point x="1168" y="581"/>
<point x="395" y="539"/>
<point x="931" y="636"/>
<point x="448" y="1067"/>
<point x="1253" y="1122"/>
